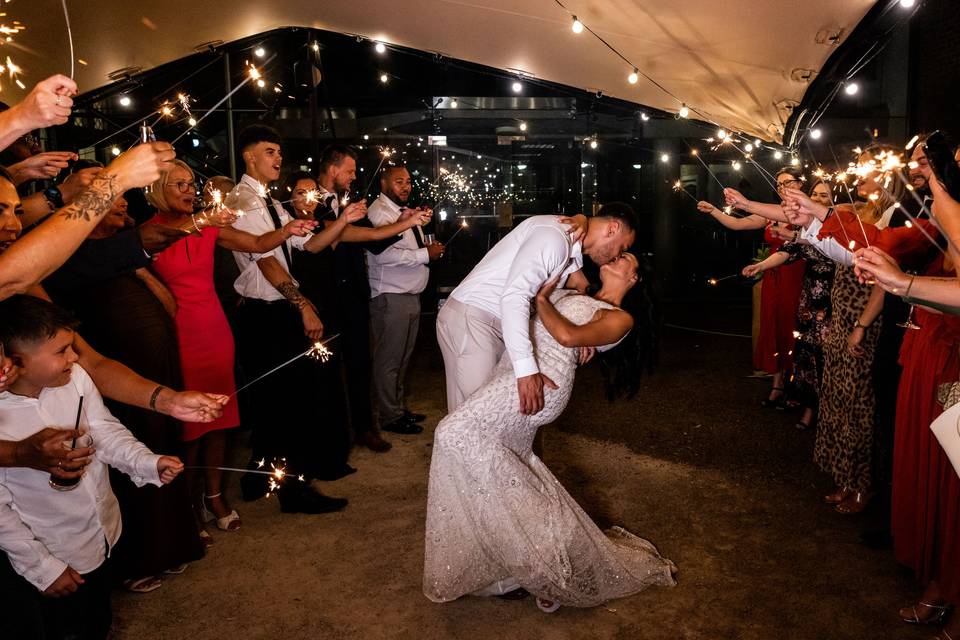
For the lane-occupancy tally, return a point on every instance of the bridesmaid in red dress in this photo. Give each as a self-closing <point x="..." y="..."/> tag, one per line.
<point x="204" y="337"/>
<point x="779" y="289"/>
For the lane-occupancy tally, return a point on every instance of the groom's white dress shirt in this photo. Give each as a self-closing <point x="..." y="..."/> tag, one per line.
<point x="509" y="276"/>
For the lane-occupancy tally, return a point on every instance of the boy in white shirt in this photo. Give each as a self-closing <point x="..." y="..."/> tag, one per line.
<point x="58" y="541"/>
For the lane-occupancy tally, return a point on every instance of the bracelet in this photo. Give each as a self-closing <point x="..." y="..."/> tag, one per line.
<point x="193" y="217"/>
<point x="155" y="395"/>
<point x="858" y="325"/>
<point x="909" y="286"/>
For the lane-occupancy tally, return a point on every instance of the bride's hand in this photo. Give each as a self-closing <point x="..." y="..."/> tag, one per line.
<point x="585" y="355"/>
<point x="548" y="288"/>
<point x="577" y="226"/>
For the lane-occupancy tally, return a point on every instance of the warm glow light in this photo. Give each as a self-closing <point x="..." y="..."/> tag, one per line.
<point x="380" y="47"/>
<point x="748" y="148"/>
<point x="777" y="155"/>
<point x="633" y="77"/>
<point x="816" y="134"/>
<point x="906" y="4"/>
<point x="115" y="151"/>
<point x="124" y="101"/>
<point x="454" y="104"/>
<point x="577" y="26"/>
<point x="517" y="87"/>
<point x="794" y="161"/>
<point x="523" y="126"/>
<point x="259" y="52"/>
<point x="644" y="117"/>
<point x="851" y="89"/>
<point x="684" y="112"/>
<point x="593" y="144"/>
<point x="384" y="78"/>
<point x="665" y="158"/>
<point x="192" y="122"/>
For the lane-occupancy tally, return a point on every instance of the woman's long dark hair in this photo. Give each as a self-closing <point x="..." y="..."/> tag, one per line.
<point x="287" y="190"/>
<point x="623" y="366"/>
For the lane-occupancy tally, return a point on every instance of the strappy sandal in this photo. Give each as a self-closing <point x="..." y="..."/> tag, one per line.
<point x="229" y="522"/>
<point x="855" y="503"/>
<point x="940" y="612"/>
<point x="837" y="496"/>
<point x="143" y="585"/>
<point x="547" y="606"/>
<point x="179" y="569"/>
<point x="206" y="539"/>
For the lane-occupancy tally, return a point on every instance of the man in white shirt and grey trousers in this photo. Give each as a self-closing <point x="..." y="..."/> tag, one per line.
<point x="490" y="310"/>
<point x="397" y="276"/>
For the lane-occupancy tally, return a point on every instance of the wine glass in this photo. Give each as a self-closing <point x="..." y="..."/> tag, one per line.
<point x="909" y="323"/>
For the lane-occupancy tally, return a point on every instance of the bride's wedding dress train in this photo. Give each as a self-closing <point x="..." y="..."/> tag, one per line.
<point x="497" y="518"/>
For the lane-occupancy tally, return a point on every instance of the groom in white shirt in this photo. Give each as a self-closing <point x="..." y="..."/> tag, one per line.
<point x="490" y="310"/>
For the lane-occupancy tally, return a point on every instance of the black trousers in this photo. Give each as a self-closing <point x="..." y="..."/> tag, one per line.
<point x="287" y="410"/>
<point x="25" y="614"/>
<point x="351" y="320"/>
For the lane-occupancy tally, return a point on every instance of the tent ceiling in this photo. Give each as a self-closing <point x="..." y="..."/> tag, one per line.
<point x="730" y="61"/>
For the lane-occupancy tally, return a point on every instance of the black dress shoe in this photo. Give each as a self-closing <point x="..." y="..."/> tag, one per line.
<point x="373" y="441"/>
<point x="403" y="426"/>
<point x="414" y="417"/>
<point x="342" y="472"/>
<point x="307" y="501"/>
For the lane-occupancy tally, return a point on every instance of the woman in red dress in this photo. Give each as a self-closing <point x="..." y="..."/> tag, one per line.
<point x="779" y="289"/>
<point x="204" y="338"/>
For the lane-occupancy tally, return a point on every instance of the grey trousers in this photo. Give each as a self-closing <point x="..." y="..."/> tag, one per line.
<point x="394" y="320"/>
<point x="471" y="342"/>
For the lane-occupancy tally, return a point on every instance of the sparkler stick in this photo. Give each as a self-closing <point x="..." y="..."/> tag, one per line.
<point x="318" y="351"/>
<point x="696" y="154"/>
<point x="276" y="474"/>
<point x="463" y="225"/>
<point x="714" y="281"/>
<point x="769" y="178"/>
<point x="383" y="157"/>
<point x="678" y="188"/>
<point x="253" y="74"/>
<point x="66" y="17"/>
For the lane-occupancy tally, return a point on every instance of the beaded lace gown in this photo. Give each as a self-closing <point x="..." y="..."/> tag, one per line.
<point x="497" y="519"/>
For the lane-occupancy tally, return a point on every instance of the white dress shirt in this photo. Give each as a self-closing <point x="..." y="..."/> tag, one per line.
<point x="509" y="276"/>
<point x="256" y="220"/>
<point x="43" y="530"/>
<point x="402" y="267"/>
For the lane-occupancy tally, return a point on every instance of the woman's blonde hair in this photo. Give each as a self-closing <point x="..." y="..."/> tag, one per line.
<point x="157" y="196"/>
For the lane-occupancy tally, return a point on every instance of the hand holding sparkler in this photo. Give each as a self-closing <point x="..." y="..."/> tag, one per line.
<point x="415" y="217"/>
<point x="141" y="165"/>
<point x="354" y="212"/>
<point x="796" y="202"/>
<point x="47" y="104"/>
<point x="41" y="166"/>
<point x="299" y="228"/>
<point x="875" y="265"/>
<point x="735" y="199"/>
<point x="168" y="468"/>
<point x="752" y="270"/>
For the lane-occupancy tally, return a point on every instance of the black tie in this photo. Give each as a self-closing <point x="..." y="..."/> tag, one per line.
<point x="283" y="245"/>
<point x="417" y="232"/>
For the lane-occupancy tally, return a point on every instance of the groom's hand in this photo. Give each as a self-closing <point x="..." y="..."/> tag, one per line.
<point x="530" y="389"/>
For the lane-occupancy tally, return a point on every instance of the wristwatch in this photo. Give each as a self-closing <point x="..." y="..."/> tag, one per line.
<point x="54" y="198"/>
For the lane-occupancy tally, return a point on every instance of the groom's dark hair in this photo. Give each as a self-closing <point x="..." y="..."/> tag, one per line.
<point x="621" y="211"/>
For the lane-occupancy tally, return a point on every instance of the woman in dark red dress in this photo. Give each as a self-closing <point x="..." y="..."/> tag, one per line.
<point x="204" y="337"/>
<point x="780" y="288"/>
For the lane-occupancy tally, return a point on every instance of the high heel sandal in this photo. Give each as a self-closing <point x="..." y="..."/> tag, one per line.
<point x="547" y="608"/>
<point x="854" y="503"/>
<point x="776" y="402"/>
<point x="940" y="612"/>
<point x="226" y="523"/>
<point x="838" y="496"/>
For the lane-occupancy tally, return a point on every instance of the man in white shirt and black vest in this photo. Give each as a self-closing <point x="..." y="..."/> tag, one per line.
<point x="275" y="322"/>
<point x="397" y="276"/>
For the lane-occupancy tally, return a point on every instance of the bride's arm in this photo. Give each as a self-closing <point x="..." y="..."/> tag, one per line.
<point x="606" y="327"/>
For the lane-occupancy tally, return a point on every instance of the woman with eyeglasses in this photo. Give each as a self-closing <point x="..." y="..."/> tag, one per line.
<point x="204" y="337"/>
<point x="779" y="289"/>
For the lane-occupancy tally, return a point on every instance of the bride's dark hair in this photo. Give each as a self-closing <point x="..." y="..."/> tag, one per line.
<point x="623" y="365"/>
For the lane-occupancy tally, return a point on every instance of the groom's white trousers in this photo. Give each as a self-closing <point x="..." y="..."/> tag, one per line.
<point x="471" y="342"/>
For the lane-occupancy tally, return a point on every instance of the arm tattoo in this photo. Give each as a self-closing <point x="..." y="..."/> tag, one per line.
<point x="95" y="201"/>
<point x="291" y="293"/>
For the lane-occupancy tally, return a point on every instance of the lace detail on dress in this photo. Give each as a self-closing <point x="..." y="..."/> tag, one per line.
<point x="495" y="513"/>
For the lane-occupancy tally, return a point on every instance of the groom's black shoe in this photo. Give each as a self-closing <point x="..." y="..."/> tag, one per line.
<point x="414" y="417"/>
<point x="302" y="500"/>
<point x="403" y="426"/>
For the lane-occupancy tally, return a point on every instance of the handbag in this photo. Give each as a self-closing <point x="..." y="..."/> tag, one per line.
<point x="946" y="427"/>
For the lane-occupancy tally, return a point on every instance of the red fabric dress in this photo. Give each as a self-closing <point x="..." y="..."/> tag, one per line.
<point x="925" y="519"/>
<point x="203" y="334"/>
<point x="779" y="299"/>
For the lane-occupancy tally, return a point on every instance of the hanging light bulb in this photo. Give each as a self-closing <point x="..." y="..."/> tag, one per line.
<point x="593" y="143"/>
<point x="748" y="148"/>
<point x="684" y="112"/>
<point x="523" y="126"/>
<point x="380" y="48"/>
<point x="124" y="101"/>
<point x="633" y="77"/>
<point x="665" y="158"/>
<point x="384" y="78"/>
<point x="906" y="4"/>
<point x="795" y="161"/>
<point x="454" y="104"/>
<point x="516" y="86"/>
<point x="115" y="151"/>
<point x="816" y="134"/>
<point x="722" y="134"/>
<point x="777" y="155"/>
<point x="736" y="166"/>
<point x="644" y="117"/>
<point x="851" y="88"/>
<point x="577" y="26"/>
<point x="259" y="52"/>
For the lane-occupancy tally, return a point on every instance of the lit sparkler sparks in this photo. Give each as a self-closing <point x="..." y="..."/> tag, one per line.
<point x="678" y="188"/>
<point x="715" y="281"/>
<point x="277" y="473"/>
<point x="318" y="351"/>
<point x="463" y="225"/>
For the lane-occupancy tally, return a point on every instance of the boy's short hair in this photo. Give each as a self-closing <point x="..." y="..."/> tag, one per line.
<point x="26" y="320"/>
<point x="255" y="134"/>
<point x="622" y="212"/>
<point x="334" y="154"/>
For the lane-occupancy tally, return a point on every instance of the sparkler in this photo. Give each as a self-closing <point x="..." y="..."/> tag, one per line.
<point x="384" y="154"/>
<point x="696" y="154"/>
<point x="715" y="281"/>
<point x="463" y="225"/>
<point x="318" y="352"/>
<point x="678" y="188"/>
<point x="277" y="474"/>
<point x="66" y="18"/>
<point x="310" y="197"/>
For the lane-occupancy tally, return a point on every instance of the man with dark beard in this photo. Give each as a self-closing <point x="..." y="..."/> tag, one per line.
<point x="397" y="276"/>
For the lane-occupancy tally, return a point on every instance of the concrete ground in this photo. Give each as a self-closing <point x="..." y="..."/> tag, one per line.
<point x="725" y="489"/>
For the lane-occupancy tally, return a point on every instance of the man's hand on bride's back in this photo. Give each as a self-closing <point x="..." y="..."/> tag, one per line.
<point x="577" y="226"/>
<point x="530" y="390"/>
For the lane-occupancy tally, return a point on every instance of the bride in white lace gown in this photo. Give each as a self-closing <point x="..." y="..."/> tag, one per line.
<point x="497" y="519"/>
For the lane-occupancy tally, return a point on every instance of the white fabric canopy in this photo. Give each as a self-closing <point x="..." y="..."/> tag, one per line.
<point x="732" y="62"/>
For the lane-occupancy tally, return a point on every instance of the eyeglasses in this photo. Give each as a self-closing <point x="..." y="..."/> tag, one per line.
<point x="787" y="183"/>
<point x="183" y="187"/>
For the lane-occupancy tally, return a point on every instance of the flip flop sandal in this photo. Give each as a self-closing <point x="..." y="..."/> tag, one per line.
<point x="143" y="585"/>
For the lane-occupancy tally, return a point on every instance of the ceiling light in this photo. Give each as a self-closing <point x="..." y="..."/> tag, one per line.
<point x="124" y="101"/>
<point x="380" y="47"/>
<point x="516" y="86"/>
<point x="633" y="77"/>
<point x="665" y="158"/>
<point x="259" y="52"/>
<point x="577" y="26"/>
<point x="384" y="77"/>
<point x="816" y="134"/>
<point x="851" y="89"/>
<point x="684" y="112"/>
<point x="523" y="126"/>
